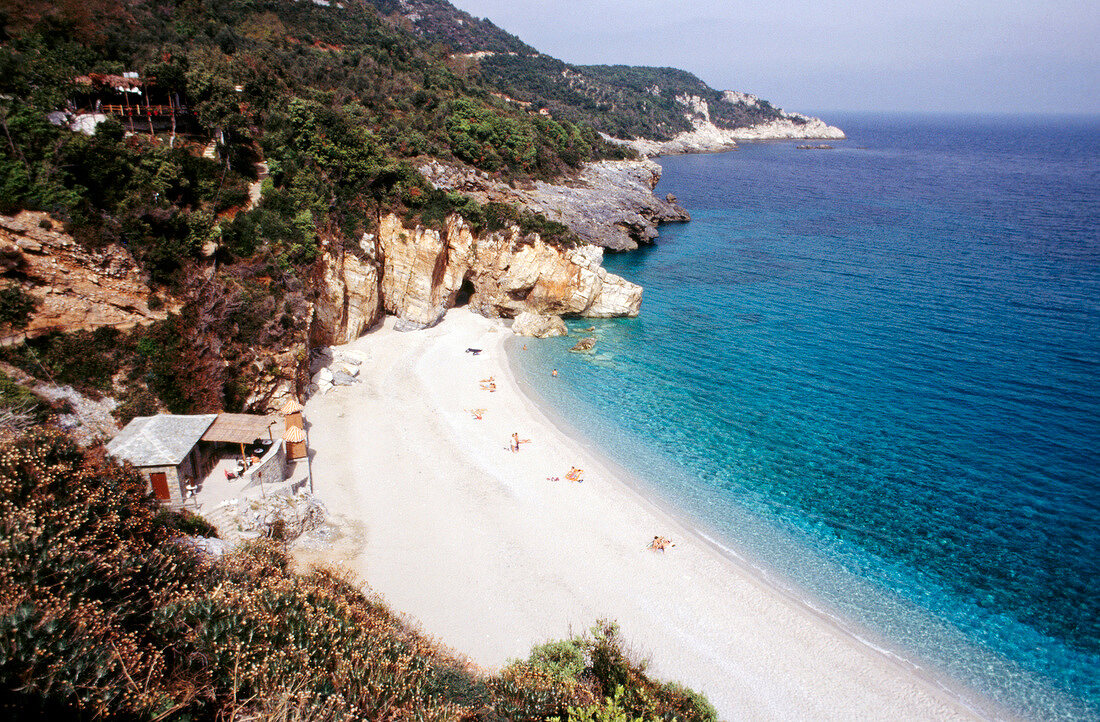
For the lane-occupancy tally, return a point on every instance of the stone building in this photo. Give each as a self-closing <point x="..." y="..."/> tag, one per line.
<point x="174" y="453"/>
<point x="165" y="449"/>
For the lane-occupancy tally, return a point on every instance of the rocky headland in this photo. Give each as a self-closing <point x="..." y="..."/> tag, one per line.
<point x="609" y="203"/>
<point x="418" y="273"/>
<point x="707" y="137"/>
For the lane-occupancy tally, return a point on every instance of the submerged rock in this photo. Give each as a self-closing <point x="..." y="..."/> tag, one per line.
<point x="585" y="344"/>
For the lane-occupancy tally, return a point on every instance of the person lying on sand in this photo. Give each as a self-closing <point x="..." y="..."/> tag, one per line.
<point x="659" y="544"/>
<point x="477" y="413"/>
<point x="489" y="380"/>
<point x="490" y="387"/>
<point x="474" y="351"/>
<point x="574" y="474"/>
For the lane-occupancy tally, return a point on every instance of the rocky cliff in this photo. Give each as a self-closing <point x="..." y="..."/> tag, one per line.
<point x="418" y="273"/>
<point x="609" y="204"/>
<point x="706" y="137"/>
<point x="349" y="295"/>
<point x="75" y="288"/>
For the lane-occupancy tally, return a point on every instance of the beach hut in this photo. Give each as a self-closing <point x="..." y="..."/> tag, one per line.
<point x="295" y="438"/>
<point x="165" y="449"/>
<point x="292" y="414"/>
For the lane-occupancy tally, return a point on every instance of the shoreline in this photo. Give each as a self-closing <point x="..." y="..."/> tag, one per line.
<point x="469" y="538"/>
<point x="750" y="564"/>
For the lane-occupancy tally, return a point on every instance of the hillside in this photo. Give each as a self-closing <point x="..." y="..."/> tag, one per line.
<point x="110" y="611"/>
<point x="622" y="101"/>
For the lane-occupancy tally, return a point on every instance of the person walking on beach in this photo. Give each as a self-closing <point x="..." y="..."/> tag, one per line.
<point x="515" y="442"/>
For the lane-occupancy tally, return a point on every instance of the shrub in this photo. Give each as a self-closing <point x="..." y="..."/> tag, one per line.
<point x="82" y="573"/>
<point x="186" y="523"/>
<point x="16" y="306"/>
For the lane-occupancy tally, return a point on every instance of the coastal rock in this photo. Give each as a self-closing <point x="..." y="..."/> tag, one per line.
<point x="341" y="378"/>
<point x="425" y="271"/>
<point x="75" y="288"/>
<point x="706" y="137"/>
<point x="349" y="299"/>
<point x="415" y="280"/>
<point x="538" y="326"/>
<point x="501" y="273"/>
<point x="609" y="203"/>
<point x="585" y="344"/>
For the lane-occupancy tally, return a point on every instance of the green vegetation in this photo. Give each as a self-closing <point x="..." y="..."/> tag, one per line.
<point x="105" y="614"/>
<point x="332" y="97"/>
<point x="340" y="103"/>
<point x="16" y="306"/>
<point x="622" y="101"/>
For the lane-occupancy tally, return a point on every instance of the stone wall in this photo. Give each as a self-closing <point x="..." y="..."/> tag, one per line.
<point x="271" y="469"/>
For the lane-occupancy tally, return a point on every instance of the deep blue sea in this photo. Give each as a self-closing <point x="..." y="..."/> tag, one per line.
<point x="875" y="372"/>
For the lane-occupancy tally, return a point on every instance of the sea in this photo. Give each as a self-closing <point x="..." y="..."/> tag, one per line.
<point x="873" y="371"/>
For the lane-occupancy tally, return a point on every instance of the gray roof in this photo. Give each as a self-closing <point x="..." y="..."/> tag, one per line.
<point x="159" y="440"/>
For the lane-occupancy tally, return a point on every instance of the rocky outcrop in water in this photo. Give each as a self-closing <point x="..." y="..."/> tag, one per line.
<point x="608" y="204"/>
<point x="584" y="345"/>
<point x="75" y="288"/>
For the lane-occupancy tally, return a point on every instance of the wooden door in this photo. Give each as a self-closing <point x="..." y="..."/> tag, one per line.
<point x="159" y="480"/>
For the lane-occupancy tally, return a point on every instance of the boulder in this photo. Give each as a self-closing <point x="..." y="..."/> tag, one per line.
<point x="585" y="344"/>
<point x="339" y="378"/>
<point x="539" y="326"/>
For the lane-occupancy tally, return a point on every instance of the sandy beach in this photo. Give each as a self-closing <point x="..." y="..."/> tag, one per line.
<point x="472" y="540"/>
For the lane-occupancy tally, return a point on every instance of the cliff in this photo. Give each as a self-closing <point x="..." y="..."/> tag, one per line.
<point x="418" y="273"/>
<point x="73" y="287"/>
<point x="707" y="137"/>
<point x="608" y="203"/>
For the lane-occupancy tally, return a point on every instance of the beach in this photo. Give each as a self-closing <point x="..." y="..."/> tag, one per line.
<point x="493" y="551"/>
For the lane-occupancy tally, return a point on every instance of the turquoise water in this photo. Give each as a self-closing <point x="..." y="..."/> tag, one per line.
<point x="876" y="370"/>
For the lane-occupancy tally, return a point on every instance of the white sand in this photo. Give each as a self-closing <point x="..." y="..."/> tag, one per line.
<point x="472" y="540"/>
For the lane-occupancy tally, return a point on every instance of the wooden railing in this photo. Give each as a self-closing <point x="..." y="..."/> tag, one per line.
<point x="143" y="110"/>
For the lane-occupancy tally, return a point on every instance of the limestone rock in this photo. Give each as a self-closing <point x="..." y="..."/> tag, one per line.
<point x="75" y="288"/>
<point x="585" y="344"/>
<point x="506" y="275"/>
<point x="609" y="203"/>
<point x="706" y="137"/>
<point x="424" y="270"/>
<point x="349" y="300"/>
<point x="538" y="326"/>
<point x="341" y="378"/>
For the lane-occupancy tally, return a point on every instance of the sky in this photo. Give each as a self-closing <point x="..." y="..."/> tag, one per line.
<point x="993" y="56"/>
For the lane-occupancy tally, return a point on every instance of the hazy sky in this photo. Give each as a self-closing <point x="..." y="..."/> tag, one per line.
<point x="940" y="55"/>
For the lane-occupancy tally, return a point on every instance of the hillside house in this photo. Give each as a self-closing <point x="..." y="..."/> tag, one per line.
<point x="177" y="454"/>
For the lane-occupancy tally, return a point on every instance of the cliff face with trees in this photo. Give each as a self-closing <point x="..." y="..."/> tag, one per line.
<point x="337" y="101"/>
